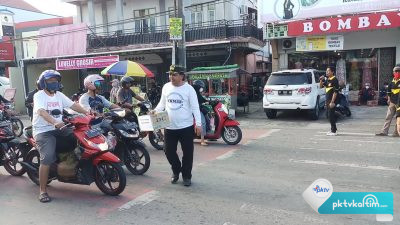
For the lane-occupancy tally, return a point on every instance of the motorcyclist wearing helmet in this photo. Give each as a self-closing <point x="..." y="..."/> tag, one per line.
<point x="46" y="125"/>
<point x="199" y="87"/>
<point x="91" y="100"/>
<point x="125" y="94"/>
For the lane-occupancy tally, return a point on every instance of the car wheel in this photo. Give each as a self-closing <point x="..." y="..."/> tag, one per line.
<point x="271" y="113"/>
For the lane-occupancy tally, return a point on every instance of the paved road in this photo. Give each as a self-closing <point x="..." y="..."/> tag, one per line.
<point x="259" y="181"/>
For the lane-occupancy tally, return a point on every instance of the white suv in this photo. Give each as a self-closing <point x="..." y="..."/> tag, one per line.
<point x="294" y="90"/>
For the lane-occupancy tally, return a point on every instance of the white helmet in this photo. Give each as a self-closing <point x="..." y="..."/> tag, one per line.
<point x="92" y="82"/>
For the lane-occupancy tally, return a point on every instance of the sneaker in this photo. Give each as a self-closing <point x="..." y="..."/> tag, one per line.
<point x="331" y="134"/>
<point x="174" y="178"/>
<point x="381" y="134"/>
<point x="187" y="182"/>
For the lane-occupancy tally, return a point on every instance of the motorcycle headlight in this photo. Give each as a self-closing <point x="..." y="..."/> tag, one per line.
<point x="223" y="107"/>
<point x="101" y="146"/>
<point x="128" y="135"/>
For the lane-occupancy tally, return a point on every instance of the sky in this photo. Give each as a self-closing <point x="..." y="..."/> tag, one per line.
<point x="56" y="7"/>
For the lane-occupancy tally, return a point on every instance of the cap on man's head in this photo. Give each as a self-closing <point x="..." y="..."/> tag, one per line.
<point x="396" y="68"/>
<point x="176" y="69"/>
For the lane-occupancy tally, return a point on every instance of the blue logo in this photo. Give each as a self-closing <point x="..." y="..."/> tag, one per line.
<point x="319" y="189"/>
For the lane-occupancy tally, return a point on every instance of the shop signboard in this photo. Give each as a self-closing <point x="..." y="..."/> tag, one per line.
<point x="6" y="51"/>
<point x="273" y="31"/>
<point x="85" y="63"/>
<point x="212" y="76"/>
<point x="319" y="43"/>
<point x="175" y="29"/>
<point x="343" y="24"/>
<point x="272" y="11"/>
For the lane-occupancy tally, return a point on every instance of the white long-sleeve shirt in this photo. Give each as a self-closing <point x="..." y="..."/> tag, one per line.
<point x="181" y="105"/>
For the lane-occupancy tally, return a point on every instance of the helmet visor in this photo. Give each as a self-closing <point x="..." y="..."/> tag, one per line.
<point x="98" y="84"/>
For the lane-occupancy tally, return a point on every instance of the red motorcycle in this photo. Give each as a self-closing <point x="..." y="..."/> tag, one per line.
<point x="91" y="158"/>
<point x="225" y="127"/>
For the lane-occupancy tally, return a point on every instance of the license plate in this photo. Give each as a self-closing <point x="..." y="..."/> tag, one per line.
<point x="284" y="92"/>
<point x="93" y="133"/>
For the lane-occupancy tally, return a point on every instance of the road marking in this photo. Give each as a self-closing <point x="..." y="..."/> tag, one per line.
<point x="141" y="200"/>
<point x="350" y="133"/>
<point x="349" y="151"/>
<point x="343" y="165"/>
<point x="269" y="133"/>
<point x="361" y="141"/>
<point x="226" y="155"/>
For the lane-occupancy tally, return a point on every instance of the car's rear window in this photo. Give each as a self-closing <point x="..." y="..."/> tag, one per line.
<point x="290" y="79"/>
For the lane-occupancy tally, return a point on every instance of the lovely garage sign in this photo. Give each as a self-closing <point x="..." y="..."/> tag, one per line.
<point x="344" y="24"/>
<point x="85" y="63"/>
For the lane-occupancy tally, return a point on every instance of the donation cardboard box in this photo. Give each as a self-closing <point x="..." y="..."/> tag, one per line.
<point x="154" y="122"/>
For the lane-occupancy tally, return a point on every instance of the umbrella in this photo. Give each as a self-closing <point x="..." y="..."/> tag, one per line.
<point x="127" y="68"/>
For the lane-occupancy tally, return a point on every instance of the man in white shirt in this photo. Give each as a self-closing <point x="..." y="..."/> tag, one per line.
<point x="46" y="127"/>
<point x="179" y="99"/>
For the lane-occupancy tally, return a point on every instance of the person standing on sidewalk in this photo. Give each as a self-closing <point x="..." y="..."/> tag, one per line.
<point x="179" y="99"/>
<point x="393" y="100"/>
<point x="331" y="85"/>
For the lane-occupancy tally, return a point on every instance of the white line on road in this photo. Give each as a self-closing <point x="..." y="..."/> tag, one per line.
<point x="269" y="133"/>
<point x="343" y="165"/>
<point x="360" y="141"/>
<point x="141" y="200"/>
<point x="351" y="151"/>
<point x="350" y="133"/>
<point x="226" y="155"/>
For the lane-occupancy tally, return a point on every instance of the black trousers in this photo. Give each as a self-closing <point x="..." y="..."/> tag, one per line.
<point x="185" y="137"/>
<point x="332" y="119"/>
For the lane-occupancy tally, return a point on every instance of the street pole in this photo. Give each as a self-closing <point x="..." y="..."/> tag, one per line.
<point x="181" y="44"/>
<point x="173" y="41"/>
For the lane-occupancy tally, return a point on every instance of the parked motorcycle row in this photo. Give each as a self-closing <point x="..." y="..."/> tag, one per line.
<point x="99" y="152"/>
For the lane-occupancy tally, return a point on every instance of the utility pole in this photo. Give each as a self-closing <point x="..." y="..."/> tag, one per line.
<point x="179" y="47"/>
<point x="174" y="42"/>
<point x="182" y="43"/>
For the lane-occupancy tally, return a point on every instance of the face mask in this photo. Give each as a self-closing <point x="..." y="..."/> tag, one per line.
<point x="367" y="87"/>
<point x="201" y="90"/>
<point x="386" y="86"/>
<point x="53" y="87"/>
<point x="397" y="75"/>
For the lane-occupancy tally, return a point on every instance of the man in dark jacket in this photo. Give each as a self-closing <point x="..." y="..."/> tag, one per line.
<point x="29" y="101"/>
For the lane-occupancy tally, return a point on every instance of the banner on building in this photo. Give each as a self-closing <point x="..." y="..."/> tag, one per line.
<point x="319" y="43"/>
<point x="279" y="10"/>
<point x="86" y="63"/>
<point x="344" y="24"/>
<point x="6" y="51"/>
<point x="175" y="28"/>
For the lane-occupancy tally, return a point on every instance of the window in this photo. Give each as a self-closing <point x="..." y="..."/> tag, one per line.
<point x="197" y="15"/>
<point x="211" y="14"/>
<point x="290" y="79"/>
<point x="145" y="21"/>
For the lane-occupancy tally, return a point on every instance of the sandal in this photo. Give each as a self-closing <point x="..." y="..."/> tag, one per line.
<point x="44" y="198"/>
<point x="204" y="144"/>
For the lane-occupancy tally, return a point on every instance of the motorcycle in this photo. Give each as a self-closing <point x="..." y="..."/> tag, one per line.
<point x="225" y="127"/>
<point x="156" y="137"/>
<point x="12" y="152"/>
<point x="129" y="148"/>
<point x="8" y="114"/>
<point x="86" y="161"/>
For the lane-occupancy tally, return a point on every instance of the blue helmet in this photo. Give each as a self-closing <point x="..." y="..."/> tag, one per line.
<point x="47" y="74"/>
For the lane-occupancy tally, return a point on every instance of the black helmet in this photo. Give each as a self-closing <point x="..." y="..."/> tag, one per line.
<point x="199" y="83"/>
<point x="126" y="80"/>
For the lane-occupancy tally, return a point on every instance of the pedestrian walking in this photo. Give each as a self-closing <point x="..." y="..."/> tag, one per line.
<point x="393" y="100"/>
<point x="331" y="85"/>
<point x="179" y="99"/>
